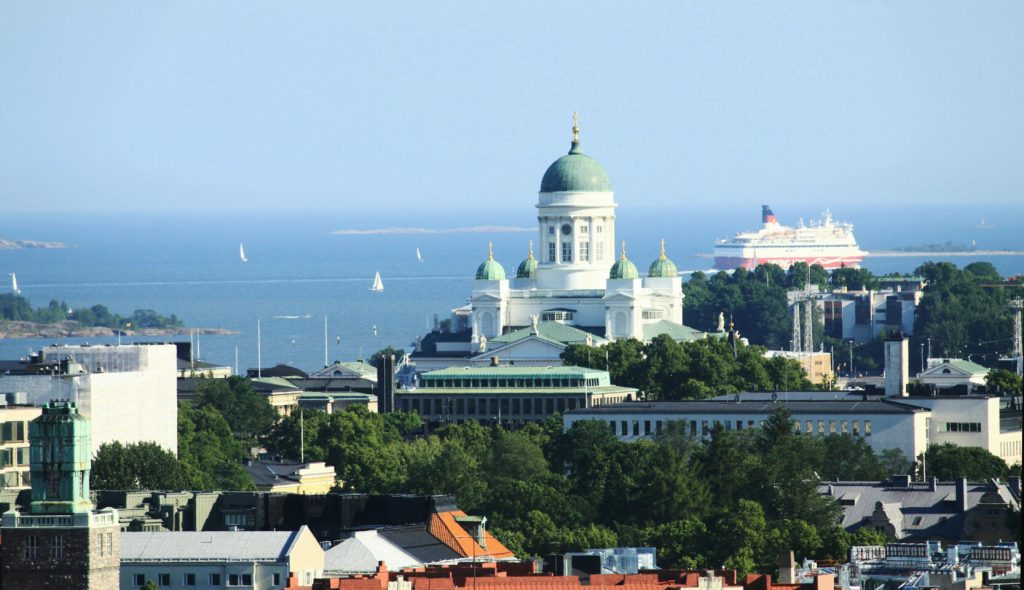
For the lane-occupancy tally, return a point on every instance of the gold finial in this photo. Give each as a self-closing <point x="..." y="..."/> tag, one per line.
<point x="575" y="127"/>
<point x="662" y="249"/>
<point x="531" y="250"/>
<point x="490" y="251"/>
<point x="623" y="257"/>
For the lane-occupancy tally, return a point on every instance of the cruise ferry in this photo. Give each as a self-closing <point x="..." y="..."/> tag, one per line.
<point x="823" y="242"/>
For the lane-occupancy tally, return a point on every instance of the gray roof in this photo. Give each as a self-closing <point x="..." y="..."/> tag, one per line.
<point x="269" y="473"/>
<point x="717" y="406"/>
<point x="399" y="547"/>
<point x="917" y="509"/>
<point x="209" y="546"/>
<point x="837" y="394"/>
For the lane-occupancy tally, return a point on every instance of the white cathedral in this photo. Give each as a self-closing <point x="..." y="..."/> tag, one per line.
<point x="577" y="289"/>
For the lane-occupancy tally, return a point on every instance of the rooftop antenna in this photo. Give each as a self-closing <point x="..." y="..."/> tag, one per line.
<point x="325" y="340"/>
<point x="259" y="350"/>
<point x="302" y="437"/>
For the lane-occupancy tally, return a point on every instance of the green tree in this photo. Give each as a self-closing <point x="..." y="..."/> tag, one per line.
<point x="949" y="462"/>
<point x="894" y="462"/>
<point x="136" y="466"/>
<point x="250" y="414"/>
<point x="209" y="452"/>
<point x="1003" y="382"/>
<point x="376" y="357"/>
<point x="850" y="458"/>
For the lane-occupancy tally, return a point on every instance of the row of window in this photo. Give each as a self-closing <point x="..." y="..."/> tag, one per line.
<point x="33" y="544"/>
<point x="654" y="427"/>
<point x="525" y="383"/>
<point x="963" y="426"/>
<point x="14" y="457"/>
<point x="215" y="580"/>
<point x="491" y="407"/>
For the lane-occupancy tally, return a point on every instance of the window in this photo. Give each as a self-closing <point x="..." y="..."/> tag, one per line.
<point x="31" y="547"/>
<point x="214" y="580"/>
<point x="138" y="579"/>
<point x="844" y="427"/>
<point x="551" y="230"/>
<point x="810" y="427"/>
<point x="247" y="579"/>
<point x="598" y="229"/>
<point x="188" y="580"/>
<point x="233" y="580"/>
<point x="110" y="543"/>
<point x="600" y="249"/>
<point x="52" y="485"/>
<point x="653" y="314"/>
<point x="566" y="251"/>
<point x="963" y="426"/>
<point x="821" y="427"/>
<point x="623" y="428"/>
<point x="856" y="428"/>
<point x="163" y="579"/>
<point x="831" y="426"/>
<point x="584" y="229"/>
<point x="57" y="548"/>
<point x="277" y="579"/>
<point x="551" y="251"/>
<point x="99" y="544"/>
<point x="585" y="251"/>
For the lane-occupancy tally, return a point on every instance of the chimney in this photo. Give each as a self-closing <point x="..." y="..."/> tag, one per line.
<point x="896" y="364"/>
<point x="933" y="483"/>
<point x="494" y="361"/>
<point x="787" y="567"/>
<point x="961" y="495"/>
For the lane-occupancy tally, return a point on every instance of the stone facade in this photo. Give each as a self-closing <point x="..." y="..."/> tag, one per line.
<point x="61" y="557"/>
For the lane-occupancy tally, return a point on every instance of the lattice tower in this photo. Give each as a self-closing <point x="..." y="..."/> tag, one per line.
<point x="1017" y="305"/>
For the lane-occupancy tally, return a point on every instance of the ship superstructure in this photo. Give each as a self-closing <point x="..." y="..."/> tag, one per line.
<point x="822" y="242"/>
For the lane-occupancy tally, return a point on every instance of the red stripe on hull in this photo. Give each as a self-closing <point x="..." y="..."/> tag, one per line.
<point x="731" y="262"/>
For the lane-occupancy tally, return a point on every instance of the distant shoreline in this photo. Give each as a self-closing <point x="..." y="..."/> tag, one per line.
<point x="19" y="244"/>
<point x="919" y="253"/>
<point x="70" y="329"/>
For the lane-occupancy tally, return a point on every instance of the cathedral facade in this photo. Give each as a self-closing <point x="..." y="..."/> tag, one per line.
<point x="577" y="276"/>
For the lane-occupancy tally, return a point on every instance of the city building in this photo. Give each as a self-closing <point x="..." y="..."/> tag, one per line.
<point x="883" y="424"/>
<point x="15" y="470"/>
<point x="236" y="559"/>
<point x="927" y="564"/>
<point x="949" y="373"/>
<point x="128" y="392"/>
<point x="930" y="510"/>
<point x="577" y="278"/>
<point x="292" y="477"/>
<point x="60" y="541"/>
<point x="817" y="365"/>
<point x="508" y="394"/>
<point x="862" y="316"/>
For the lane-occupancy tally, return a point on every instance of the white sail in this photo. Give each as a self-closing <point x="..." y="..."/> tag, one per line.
<point x="241" y="253"/>
<point x="378" y="285"/>
<point x="14" y="284"/>
<point x="418" y="255"/>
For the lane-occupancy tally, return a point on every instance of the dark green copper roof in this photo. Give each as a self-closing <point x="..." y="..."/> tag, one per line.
<point x="575" y="172"/>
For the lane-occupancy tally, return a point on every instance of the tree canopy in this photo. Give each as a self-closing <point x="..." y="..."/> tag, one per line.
<point x="17" y="308"/>
<point x="664" y="369"/>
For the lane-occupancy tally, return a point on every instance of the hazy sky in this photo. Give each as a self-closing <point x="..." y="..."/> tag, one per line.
<point x="243" y="104"/>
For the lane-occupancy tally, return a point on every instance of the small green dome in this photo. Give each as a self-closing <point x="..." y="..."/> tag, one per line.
<point x="623" y="268"/>
<point x="663" y="267"/>
<point x="490" y="269"/>
<point x="528" y="268"/>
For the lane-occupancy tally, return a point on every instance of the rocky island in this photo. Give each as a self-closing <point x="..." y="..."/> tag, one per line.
<point x="18" y="244"/>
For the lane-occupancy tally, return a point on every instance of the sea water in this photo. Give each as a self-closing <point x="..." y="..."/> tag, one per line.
<point x="299" y="271"/>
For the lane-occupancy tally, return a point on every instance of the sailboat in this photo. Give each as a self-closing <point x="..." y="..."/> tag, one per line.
<point x="241" y="253"/>
<point x="418" y="255"/>
<point x="14" y="284"/>
<point x="378" y="285"/>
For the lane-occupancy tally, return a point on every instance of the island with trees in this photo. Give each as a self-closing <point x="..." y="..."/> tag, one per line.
<point x="18" y="319"/>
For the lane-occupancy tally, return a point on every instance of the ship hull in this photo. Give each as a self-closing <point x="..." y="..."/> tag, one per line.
<point x="828" y="262"/>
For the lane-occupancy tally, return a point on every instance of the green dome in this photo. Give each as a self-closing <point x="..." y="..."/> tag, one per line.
<point x="575" y="172"/>
<point x="663" y="267"/>
<point x="527" y="268"/>
<point x="490" y="269"/>
<point x="623" y="268"/>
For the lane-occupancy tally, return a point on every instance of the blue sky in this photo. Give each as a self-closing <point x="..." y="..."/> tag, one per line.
<point x="343" y="105"/>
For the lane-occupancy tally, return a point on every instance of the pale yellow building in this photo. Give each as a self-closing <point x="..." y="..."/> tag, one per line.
<point x="14" y="454"/>
<point x="292" y="477"/>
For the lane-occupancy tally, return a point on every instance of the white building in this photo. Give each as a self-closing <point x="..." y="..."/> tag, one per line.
<point x="128" y="392"/>
<point x="884" y="424"/>
<point x="236" y="559"/>
<point x="945" y="373"/>
<point x="577" y="280"/>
